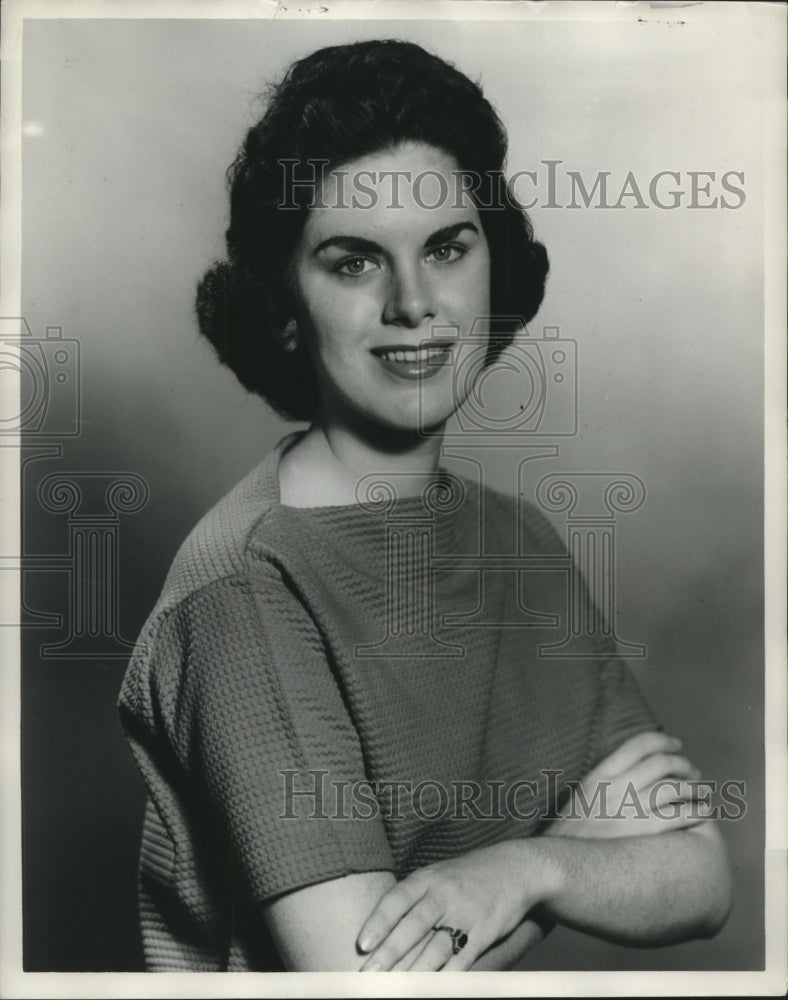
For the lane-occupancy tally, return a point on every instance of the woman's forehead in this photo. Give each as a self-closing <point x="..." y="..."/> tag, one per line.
<point x="407" y="191"/>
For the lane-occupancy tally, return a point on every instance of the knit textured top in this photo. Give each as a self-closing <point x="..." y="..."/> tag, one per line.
<point x="332" y="690"/>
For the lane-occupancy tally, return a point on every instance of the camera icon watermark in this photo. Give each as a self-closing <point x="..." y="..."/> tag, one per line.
<point x="528" y="390"/>
<point x="47" y="402"/>
<point x="47" y="372"/>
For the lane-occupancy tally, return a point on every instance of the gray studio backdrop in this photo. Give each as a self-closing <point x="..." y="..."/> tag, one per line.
<point x="128" y="129"/>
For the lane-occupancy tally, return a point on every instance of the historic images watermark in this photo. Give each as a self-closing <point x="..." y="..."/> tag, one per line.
<point x="312" y="794"/>
<point x="552" y="184"/>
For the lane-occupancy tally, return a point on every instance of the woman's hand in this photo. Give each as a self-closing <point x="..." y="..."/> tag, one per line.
<point x="641" y="788"/>
<point x="484" y="894"/>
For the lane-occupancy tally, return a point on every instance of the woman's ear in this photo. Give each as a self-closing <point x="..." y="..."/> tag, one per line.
<point x="290" y="336"/>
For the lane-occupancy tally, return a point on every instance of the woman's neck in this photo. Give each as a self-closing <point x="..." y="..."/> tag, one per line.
<point x="327" y="464"/>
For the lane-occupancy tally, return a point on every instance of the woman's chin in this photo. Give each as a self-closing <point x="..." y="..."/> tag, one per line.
<point x="407" y="422"/>
<point x="416" y="425"/>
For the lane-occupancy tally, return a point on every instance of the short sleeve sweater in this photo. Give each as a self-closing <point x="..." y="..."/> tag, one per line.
<point x="316" y="693"/>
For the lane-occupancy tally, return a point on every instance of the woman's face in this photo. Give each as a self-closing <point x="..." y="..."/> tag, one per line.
<point x="393" y="252"/>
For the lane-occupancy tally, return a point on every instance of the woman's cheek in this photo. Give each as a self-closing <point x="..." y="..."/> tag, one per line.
<point x="477" y="291"/>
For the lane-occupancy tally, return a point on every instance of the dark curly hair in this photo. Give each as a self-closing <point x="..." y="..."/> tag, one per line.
<point x="334" y="106"/>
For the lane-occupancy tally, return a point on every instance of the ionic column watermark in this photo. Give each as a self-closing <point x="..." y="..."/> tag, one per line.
<point x="410" y="541"/>
<point x="591" y="501"/>
<point x="94" y="503"/>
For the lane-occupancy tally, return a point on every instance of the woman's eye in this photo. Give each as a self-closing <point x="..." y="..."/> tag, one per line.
<point x="355" y="266"/>
<point x="448" y="253"/>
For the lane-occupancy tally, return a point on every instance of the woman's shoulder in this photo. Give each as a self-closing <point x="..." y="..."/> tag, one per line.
<point x="207" y="577"/>
<point x="216" y="548"/>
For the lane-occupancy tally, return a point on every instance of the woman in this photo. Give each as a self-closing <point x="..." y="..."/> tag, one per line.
<point x="342" y="772"/>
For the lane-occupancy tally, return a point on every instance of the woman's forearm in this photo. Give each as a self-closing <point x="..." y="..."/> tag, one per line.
<point x="643" y="891"/>
<point x="507" y="953"/>
<point x="647" y="891"/>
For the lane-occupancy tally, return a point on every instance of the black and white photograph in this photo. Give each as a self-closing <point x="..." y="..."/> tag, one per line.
<point x="393" y="477"/>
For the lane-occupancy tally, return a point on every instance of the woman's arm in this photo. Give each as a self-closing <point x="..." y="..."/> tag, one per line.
<point x="318" y="927"/>
<point x="649" y="875"/>
<point x="648" y="890"/>
<point x="653" y="890"/>
<point x="315" y="928"/>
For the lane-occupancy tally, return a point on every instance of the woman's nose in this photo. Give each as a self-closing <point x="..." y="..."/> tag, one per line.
<point x="410" y="298"/>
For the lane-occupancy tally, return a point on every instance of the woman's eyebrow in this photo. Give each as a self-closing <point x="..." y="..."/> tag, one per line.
<point x="449" y="233"/>
<point x="354" y="244"/>
<point x="358" y="244"/>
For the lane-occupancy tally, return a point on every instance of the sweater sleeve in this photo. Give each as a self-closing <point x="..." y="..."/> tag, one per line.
<point x="620" y="711"/>
<point x="261" y="736"/>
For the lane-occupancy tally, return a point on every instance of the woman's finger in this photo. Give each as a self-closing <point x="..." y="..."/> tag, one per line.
<point x="464" y="959"/>
<point x="667" y="799"/>
<point x="673" y="790"/>
<point x="407" y="960"/>
<point x="408" y="932"/>
<point x="631" y="751"/>
<point x="667" y="818"/>
<point x="658" y="767"/>
<point x="630" y="790"/>
<point x="391" y="908"/>
<point x="667" y="821"/>
<point x="436" y="954"/>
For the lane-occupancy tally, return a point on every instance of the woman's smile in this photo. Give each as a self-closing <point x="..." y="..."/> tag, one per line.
<point x="425" y="361"/>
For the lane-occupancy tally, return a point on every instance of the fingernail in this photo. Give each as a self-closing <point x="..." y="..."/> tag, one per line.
<point x="375" y="967"/>
<point x="367" y="943"/>
<point x="675" y="742"/>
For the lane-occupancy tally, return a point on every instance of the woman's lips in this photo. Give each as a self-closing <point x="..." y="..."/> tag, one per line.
<point x="414" y="363"/>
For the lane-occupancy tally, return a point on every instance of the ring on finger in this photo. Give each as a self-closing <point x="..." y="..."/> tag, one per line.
<point x="458" y="937"/>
